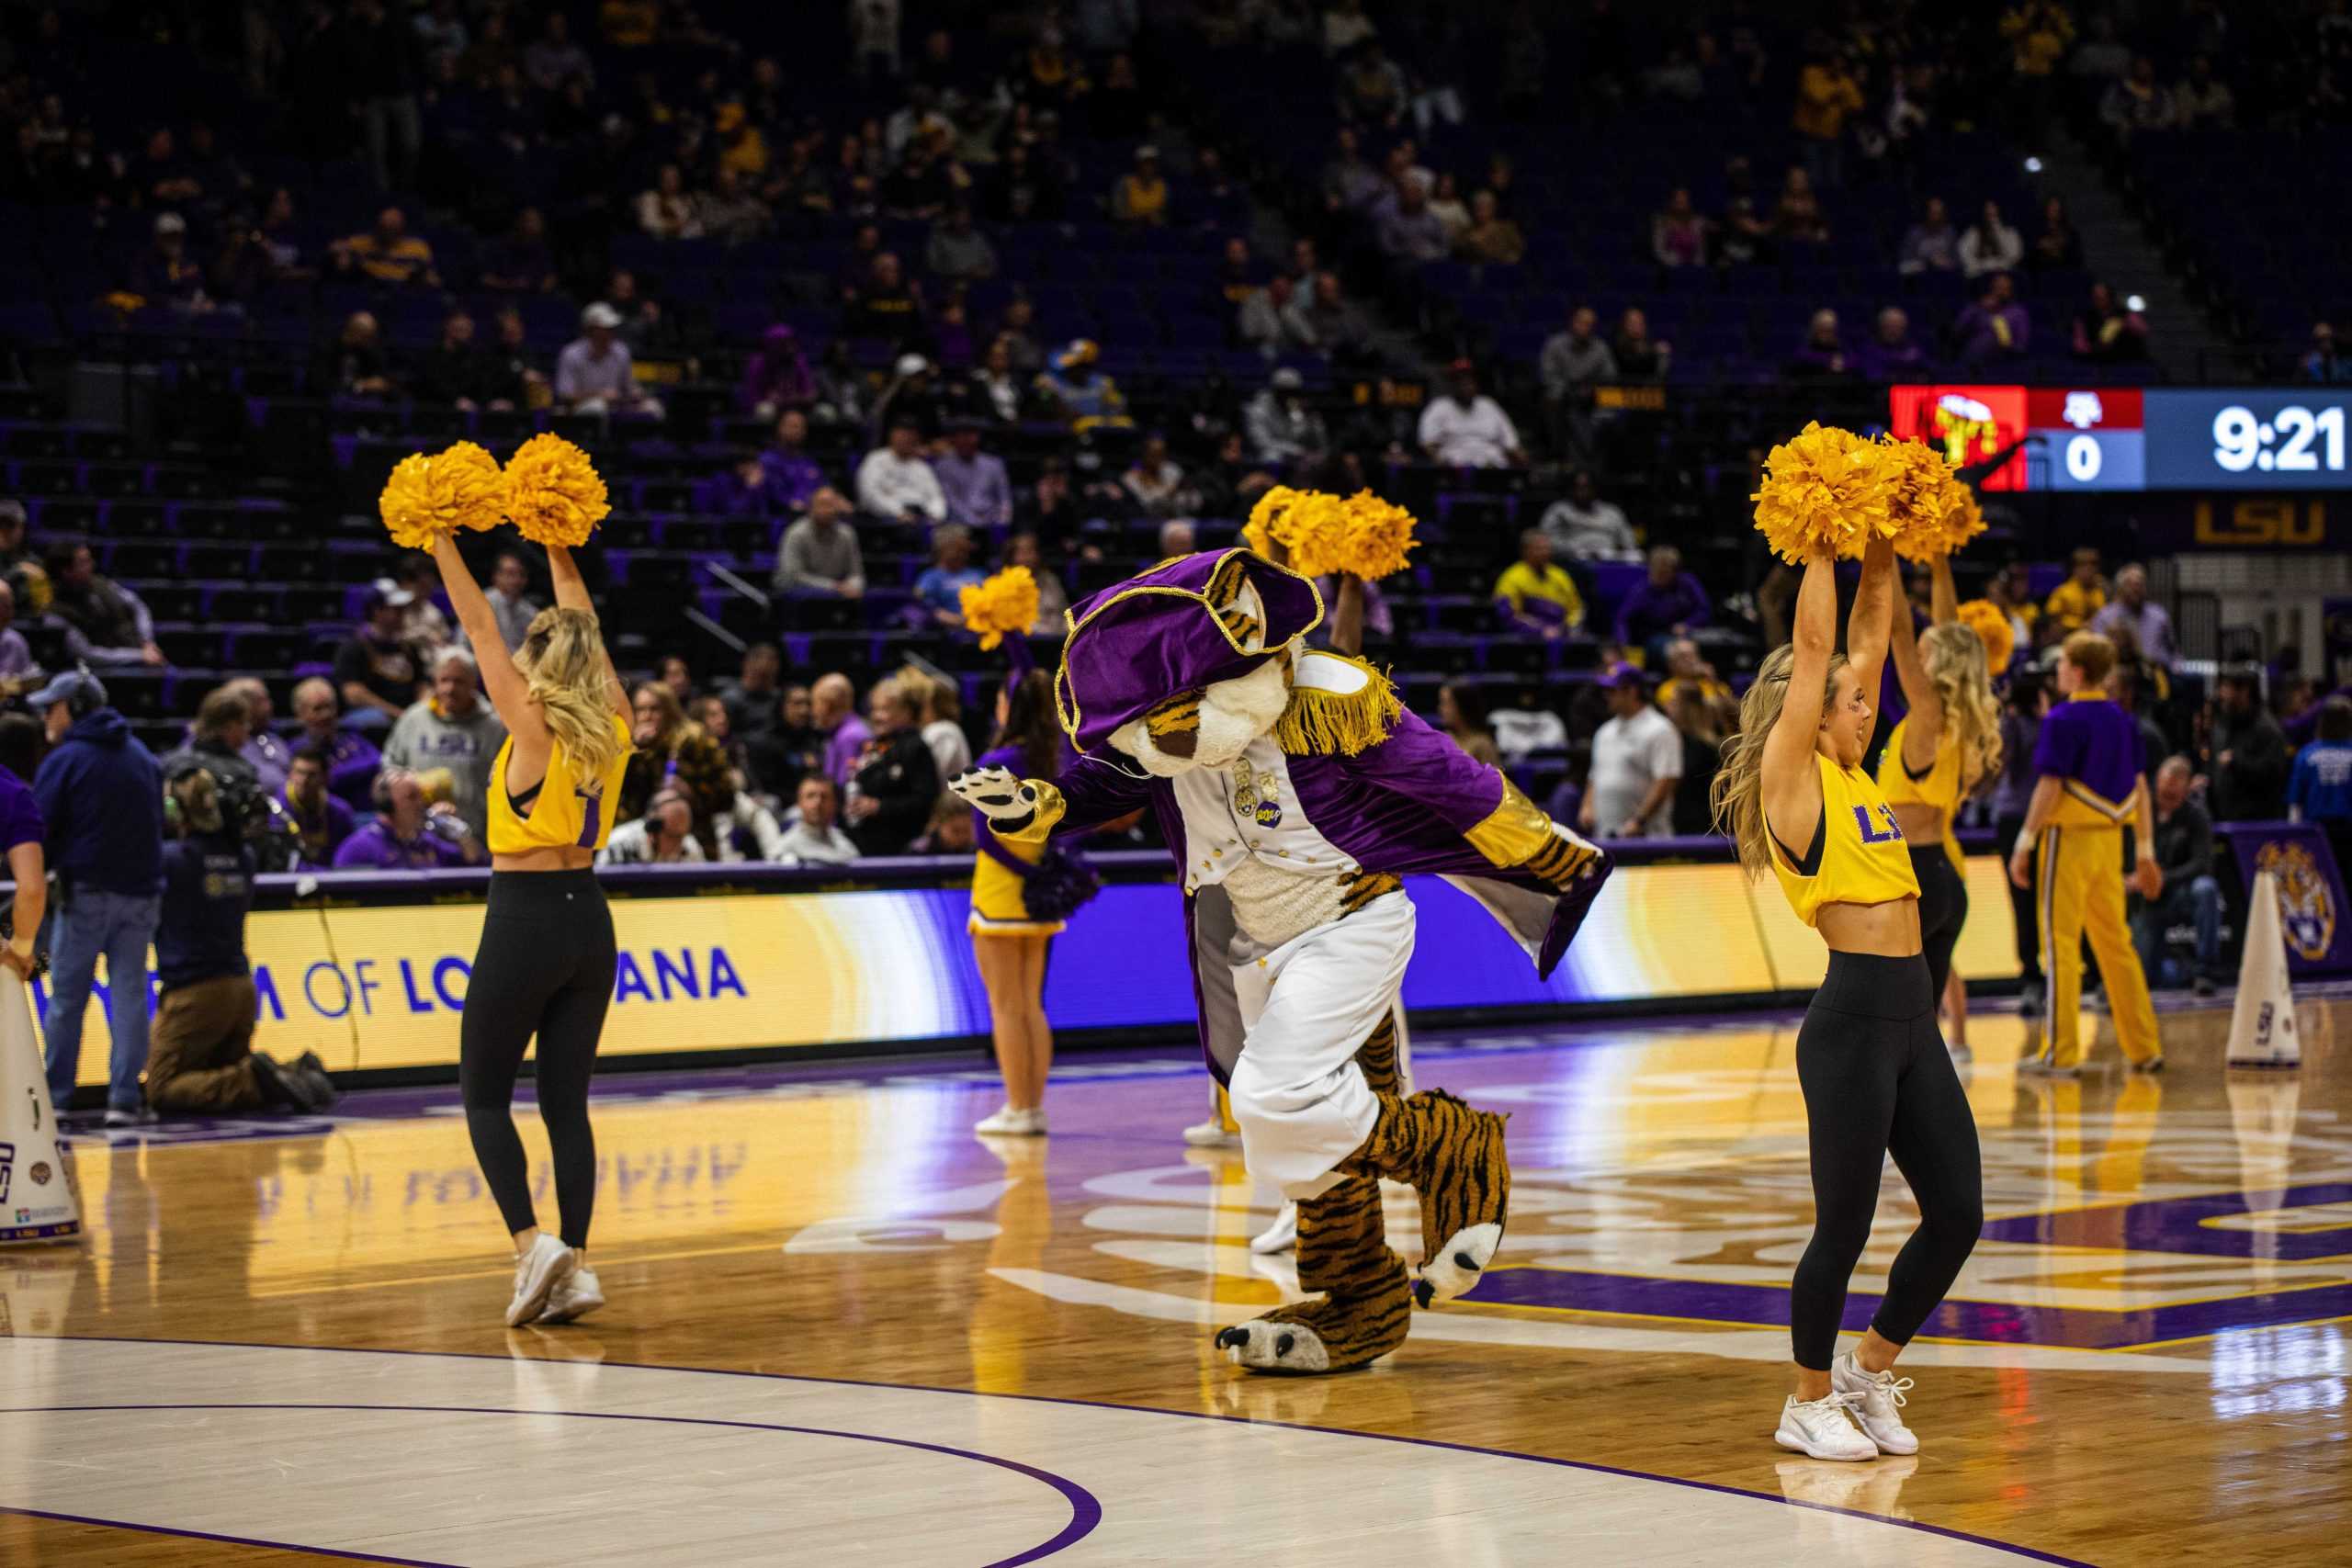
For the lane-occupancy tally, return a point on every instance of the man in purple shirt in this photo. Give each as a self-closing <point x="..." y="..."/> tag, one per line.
<point x="351" y="759"/>
<point x="978" y="494"/>
<point x="792" y="475"/>
<point x="1995" y="327"/>
<point x="321" y="822"/>
<point x="1667" y="603"/>
<point x="405" y="836"/>
<point x="2150" y="627"/>
<point x="832" y="712"/>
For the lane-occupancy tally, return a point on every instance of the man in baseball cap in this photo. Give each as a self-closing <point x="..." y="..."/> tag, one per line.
<point x="1636" y="763"/>
<point x="101" y="798"/>
<point x="595" y="373"/>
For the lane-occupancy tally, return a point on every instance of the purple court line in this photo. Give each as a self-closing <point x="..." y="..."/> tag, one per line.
<point x="1948" y="1533"/>
<point x="1085" y="1509"/>
<point x="223" y="1540"/>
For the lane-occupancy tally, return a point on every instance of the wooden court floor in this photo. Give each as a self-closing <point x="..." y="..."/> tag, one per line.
<point x="2144" y="1363"/>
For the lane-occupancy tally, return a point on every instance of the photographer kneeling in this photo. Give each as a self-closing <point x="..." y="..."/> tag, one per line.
<point x="202" y="1061"/>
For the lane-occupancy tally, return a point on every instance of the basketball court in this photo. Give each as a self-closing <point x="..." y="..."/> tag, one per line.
<point x="843" y="1329"/>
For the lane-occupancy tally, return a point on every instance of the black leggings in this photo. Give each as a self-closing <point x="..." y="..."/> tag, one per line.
<point x="1943" y="909"/>
<point x="1877" y="1081"/>
<point x="2022" y="912"/>
<point x="545" y="967"/>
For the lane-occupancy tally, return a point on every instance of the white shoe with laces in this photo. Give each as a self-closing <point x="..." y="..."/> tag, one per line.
<point x="1880" y="1413"/>
<point x="1280" y="1236"/>
<point x="1007" y="1123"/>
<point x="1823" y="1428"/>
<point x="1211" y="1134"/>
<point x="575" y="1298"/>
<point x="545" y="1265"/>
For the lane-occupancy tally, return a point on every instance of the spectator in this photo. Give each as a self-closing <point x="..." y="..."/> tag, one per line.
<point x="594" y="374"/>
<point x="1535" y="595"/>
<point x="1467" y="429"/>
<point x="786" y="747"/>
<point x="1995" y="327"/>
<point x="1583" y="528"/>
<point x="1492" y="240"/>
<point x="1527" y="727"/>
<point x="16" y="654"/>
<point x="454" y="371"/>
<point x="1687" y="672"/>
<point x="423" y="625"/>
<point x="1699" y="723"/>
<point x="895" y="778"/>
<point x="1640" y="358"/>
<point x="521" y="263"/>
<point x="1990" y="245"/>
<point x="939" y="592"/>
<point x="514" y="381"/>
<point x="1408" y="232"/>
<point x="747" y="830"/>
<point x="956" y="249"/>
<point x="351" y="759"/>
<point x="672" y="752"/>
<point x="2149" y="626"/>
<point x="1931" y="244"/>
<point x="790" y="479"/>
<point x="377" y="668"/>
<point x="949" y="831"/>
<point x="977" y="492"/>
<point x="2138" y="102"/>
<point x="105" y="622"/>
<point x="2203" y="101"/>
<point x="910" y="393"/>
<point x="262" y="752"/>
<point x="776" y="376"/>
<point x="2192" y="892"/>
<point x="1573" y="363"/>
<point x="203" y="1062"/>
<point x="662" y="836"/>
<point x="2322" y="365"/>
<point x="1283" y="430"/>
<point x="1336" y="326"/>
<point x="355" y="365"/>
<point x="750" y="698"/>
<point x="1822" y="356"/>
<point x="510" y="581"/>
<point x="1679" y="233"/>
<point x="1743" y="236"/>
<point x="1827" y="93"/>
<point x="895" y="484"/>
<point x="321" y="821"/>
<point x="1157" y="485"/>
<point x="216" y="743"/>
<point x="1272" y="320"/>
<point x="1446" y="202"/>
<point x="1890" y="355"/>
<point x="101" y="801"/>
<point x="2074" y="604"/>
<point x="821" y="558"/>
<point x="832" y="714"/>
<point x="1668" y="601"/>
<point x="816" y="839"/>
<point x="939" y="709"/>
<point x="1636" y="764"/>
<point x="2249" y="762"/>
<point x="455" y="729"/>
<point x="667" y="212"/>
<point x="408" y="832"/>
<point x="1797" y="217"/>
<point x="165" y="274"/>
<point x="1139" y="196"/>
<point x="1079" y="392"/>
<point x="1461" y="714"/>
<point x="1017" y="328"/>
<point x="1053" y="598"/>
<point x="2108" y="333"/>
<point x="2319" y="788"/>
<point x="2058" y="248"/>
<point x="388" y="253"/>
<point x="731" y="213"/>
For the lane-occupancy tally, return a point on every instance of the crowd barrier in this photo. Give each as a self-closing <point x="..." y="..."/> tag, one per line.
<point x="749" y="962"/>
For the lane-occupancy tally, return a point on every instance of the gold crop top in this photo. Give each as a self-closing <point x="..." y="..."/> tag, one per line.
<point x="565" y="809"/>
<point x="1857" y="854"/>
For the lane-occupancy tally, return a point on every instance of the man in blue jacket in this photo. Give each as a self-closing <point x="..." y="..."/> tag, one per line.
<point x="101" y="798"/>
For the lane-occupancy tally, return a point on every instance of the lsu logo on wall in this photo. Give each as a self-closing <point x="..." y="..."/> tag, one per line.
<point x="2306" y="904"/>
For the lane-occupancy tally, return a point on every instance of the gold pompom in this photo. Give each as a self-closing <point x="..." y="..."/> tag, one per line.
<point x="1993" y="628"/>
<point x="1309" y="525"/>
<point x="553" y="493"/>
<point x="1825" y="487"/>
<point x="427" y="497"/>
<point x="1934" y="513"/>
<point x="1377" y="538"/>
<point x="1001" y="606"/>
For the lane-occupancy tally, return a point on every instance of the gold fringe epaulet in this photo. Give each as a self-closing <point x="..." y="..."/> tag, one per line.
<point x="1320" y="723"/>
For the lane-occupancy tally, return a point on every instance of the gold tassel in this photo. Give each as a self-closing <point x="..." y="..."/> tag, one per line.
<point x="1319" y="723"/>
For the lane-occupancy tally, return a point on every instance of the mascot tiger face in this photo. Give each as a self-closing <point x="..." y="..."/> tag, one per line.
<point x="1211" y="727"/>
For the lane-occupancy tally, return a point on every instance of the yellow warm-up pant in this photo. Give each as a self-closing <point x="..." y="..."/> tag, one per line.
<point x="2081" y="892"/>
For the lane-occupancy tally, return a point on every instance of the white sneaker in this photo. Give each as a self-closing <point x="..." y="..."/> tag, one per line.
<point x="1879" y="1413"/>
<point x="578" y="1295"/>
<point x="537" y="1273"/>
<point x="1822" y="1427"/>
<point x="1210" y="1134"/>
<point x="1007" y="1123"/>
<point x="1280" y="1236"/>
<point x="2043" y="1067"/>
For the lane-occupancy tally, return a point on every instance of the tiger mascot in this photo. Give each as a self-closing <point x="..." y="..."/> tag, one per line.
<point x="1295" y="793"/>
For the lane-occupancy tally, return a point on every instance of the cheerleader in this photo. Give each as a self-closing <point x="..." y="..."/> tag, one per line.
<point x="1010" y="943"/>
<point x="1876" y="1078"/>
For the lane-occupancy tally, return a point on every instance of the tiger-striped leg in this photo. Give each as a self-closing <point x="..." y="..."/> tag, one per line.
<point x="1453" y="1158"/>
<point x="1343" y="1251"/>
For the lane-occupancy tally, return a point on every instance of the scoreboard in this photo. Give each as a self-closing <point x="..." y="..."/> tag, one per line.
<point x="2131" y="438"/>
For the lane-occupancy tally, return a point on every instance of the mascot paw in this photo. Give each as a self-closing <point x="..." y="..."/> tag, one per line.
<point x="1336" y="1333"/>
<point x="996" y="794"/>
<point x="1454" y="1158"/>
<point x="1457" y="1264"/>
